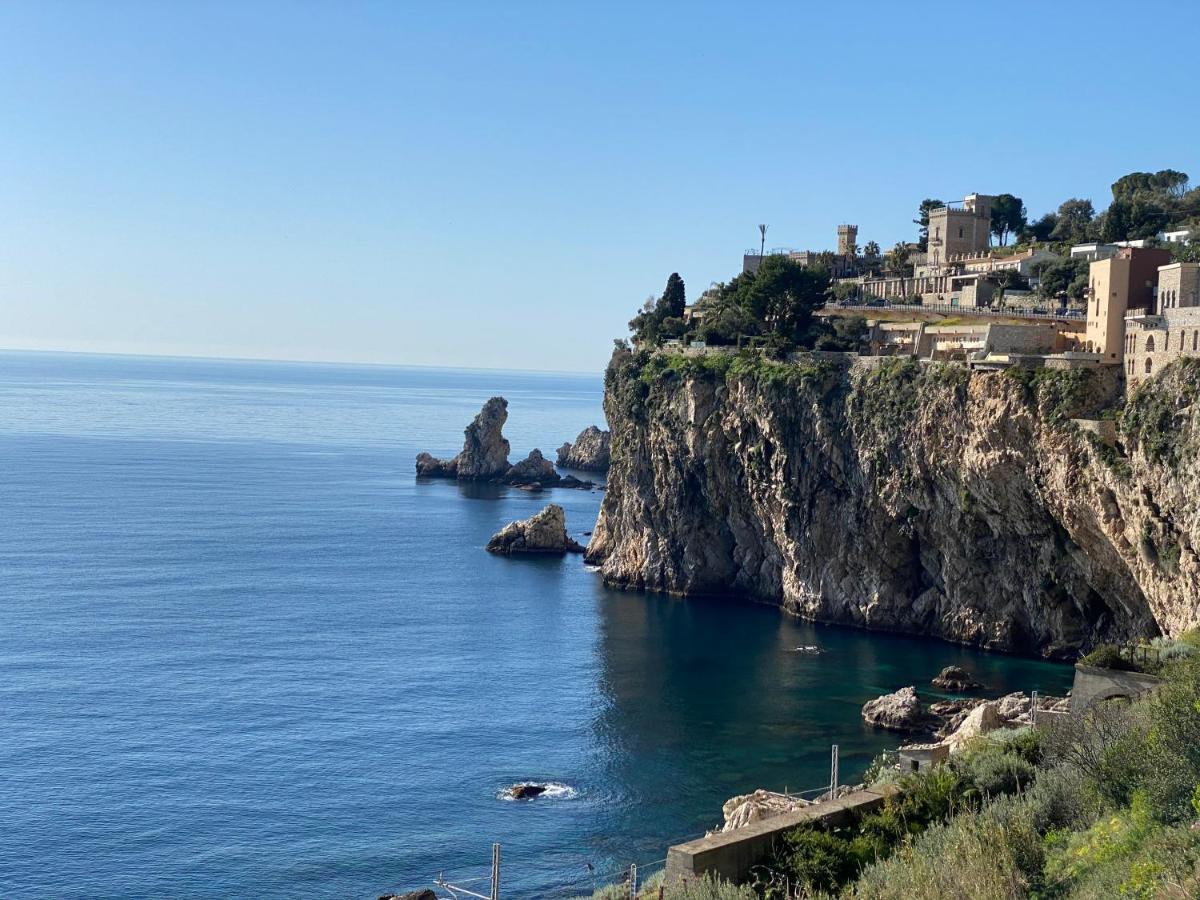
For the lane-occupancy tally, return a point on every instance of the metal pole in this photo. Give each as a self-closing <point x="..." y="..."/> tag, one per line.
<point x="1033" y="709"/>
<point x="833" y="772"/>
<point x="495" y="872"/>
<point x="633" y="881"/>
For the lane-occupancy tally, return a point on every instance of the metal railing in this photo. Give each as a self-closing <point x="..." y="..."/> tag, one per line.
<point x="1052" y="315"/>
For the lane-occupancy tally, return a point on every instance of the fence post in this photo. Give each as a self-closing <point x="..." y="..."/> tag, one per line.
<point x="495" y="872"/>
<point x="633" y="881"/>
<point x="833" y="772"/>
<point x="1033" y="708"/>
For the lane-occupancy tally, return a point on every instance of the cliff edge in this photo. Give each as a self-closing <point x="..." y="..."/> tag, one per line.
<point x="908" y="497"/>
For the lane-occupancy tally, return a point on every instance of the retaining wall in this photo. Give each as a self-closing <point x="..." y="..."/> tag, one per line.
<point x="731" y="854"/>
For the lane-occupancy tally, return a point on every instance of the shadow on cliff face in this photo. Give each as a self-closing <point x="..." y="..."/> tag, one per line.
<point x="904" y="498"/>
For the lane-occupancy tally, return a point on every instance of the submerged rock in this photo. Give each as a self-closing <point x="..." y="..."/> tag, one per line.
<point x="485" y="449"/>
<point x="899" y="711"/>
<point x="526" y="791"/>
<point x="590" y="452"/>
<point x="570" y="481"/>
<point x="956" y="679"/>
<point x="426" y="894"/>
<point x="544" y="533"/>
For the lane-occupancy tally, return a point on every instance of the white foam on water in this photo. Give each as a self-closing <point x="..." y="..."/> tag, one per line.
<point x="554" y="791"/>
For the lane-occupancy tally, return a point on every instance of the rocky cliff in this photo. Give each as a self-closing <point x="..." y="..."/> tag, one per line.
<point x="908" y="498"/>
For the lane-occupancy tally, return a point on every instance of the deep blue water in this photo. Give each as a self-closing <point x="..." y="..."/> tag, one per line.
<point x="243" y="652"/>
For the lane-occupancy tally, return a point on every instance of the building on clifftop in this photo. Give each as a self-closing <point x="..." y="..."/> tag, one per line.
<point x="1171" y="329"/>
<point x="1116" y="286"/>
<point x="958" y="229"/>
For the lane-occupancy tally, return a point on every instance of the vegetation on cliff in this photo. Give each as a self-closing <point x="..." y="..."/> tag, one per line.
<point x="980" y="511"/>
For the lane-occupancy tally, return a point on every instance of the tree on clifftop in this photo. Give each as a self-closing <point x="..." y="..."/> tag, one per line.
<point x="1008" y="217"/>
<point x="784" y="296"/>
<point x="673" y="299"/>
<point x="777" y="303"/>
<point x="1074" y="225"/>
<point x="661" y="318"/>
<point x="922" y="220"/>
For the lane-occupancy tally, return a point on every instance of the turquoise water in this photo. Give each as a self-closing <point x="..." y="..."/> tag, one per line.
<point x="243" y="652"/>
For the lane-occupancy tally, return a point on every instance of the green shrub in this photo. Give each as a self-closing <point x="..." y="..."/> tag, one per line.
<point x="817" y="860"/>
<point x="1124" y="854"/>
<point x="995" y="772"/>
<point x="968" y="859"/>
<point x="706" y="888"/>
<point x="1108" y="656"/>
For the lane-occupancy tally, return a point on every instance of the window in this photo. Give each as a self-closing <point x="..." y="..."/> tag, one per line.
<point x="1149" y="365"/>
<point x="1150" y="345"/>
<point x="1195" y="340"/>
<point x="960" y="232"/>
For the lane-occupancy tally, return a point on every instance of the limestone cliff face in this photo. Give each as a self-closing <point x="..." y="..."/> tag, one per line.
<point x="921" y="500"/>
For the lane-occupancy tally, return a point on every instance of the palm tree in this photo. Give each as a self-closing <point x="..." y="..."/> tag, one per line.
<point x="897" y="257"/>
<point x="762" y="230"/>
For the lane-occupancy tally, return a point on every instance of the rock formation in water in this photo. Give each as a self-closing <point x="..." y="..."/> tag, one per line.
<point x="955" y="679"/>
<point x="485" y="449"/>
<point x="526" y="791"/>
<point x="899" y="711"/>
<point x="544" y="533"/>
<point x="903" y="497"/>
<point x="484" y="457"/>
<point x="590" y="452"/>
<point x="533" y="469"/>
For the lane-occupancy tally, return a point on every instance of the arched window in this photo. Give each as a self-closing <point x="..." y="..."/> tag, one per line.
<point x="1150" y="344"/>
<point x="1195" y="341"/>
<point x="1131" y="367"/>
<point x="1149" y="365"/>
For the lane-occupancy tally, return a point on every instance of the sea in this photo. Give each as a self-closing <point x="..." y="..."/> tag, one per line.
<point x="245" y="652"/>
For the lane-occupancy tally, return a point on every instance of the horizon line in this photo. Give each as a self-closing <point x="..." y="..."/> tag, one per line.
<point x="295" y="362"/>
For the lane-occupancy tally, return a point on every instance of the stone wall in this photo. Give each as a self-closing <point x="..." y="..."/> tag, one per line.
<point x="1152" y="342"/>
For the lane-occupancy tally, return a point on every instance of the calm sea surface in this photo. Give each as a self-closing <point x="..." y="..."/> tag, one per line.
<point x="243" y="652"/>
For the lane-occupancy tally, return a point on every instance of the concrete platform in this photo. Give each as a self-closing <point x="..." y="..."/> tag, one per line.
<point x="731" y="854"/>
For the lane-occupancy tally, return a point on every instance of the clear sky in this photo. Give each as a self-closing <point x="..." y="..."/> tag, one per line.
<point x="501" y="184"/>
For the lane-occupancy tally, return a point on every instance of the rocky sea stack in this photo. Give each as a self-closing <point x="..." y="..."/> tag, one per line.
<point x="484" y="457"/>
<point x="591" y="451"/>
<point x="544" y="533"/>
<point x="485" y="449"/>
<point x="903" y="496"/>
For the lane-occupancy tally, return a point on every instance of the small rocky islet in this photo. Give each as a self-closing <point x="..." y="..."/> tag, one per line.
<point x="484" y="457"/>
<point x="545" y="532"/>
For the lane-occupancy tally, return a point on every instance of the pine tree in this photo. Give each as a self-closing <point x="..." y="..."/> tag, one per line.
<point x="674" y="299"/>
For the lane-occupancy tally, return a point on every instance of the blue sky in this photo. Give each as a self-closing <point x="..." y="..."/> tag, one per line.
<point x="502" y="184"/>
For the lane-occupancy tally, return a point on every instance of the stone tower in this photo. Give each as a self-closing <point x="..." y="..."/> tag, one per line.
<point x="847" y="239"/>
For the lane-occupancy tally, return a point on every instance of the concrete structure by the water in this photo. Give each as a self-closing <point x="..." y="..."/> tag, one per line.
<point x="1095" y="685"/>
<point x="730" y="855"/>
